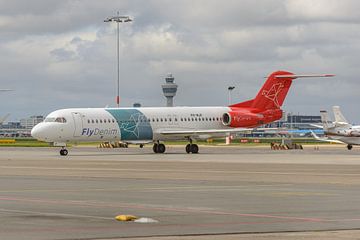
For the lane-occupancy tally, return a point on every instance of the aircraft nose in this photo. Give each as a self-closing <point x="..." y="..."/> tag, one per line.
<point x="36" y="132"/>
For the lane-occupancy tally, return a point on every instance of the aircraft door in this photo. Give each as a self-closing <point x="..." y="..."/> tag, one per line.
<point x="78" y="124"/>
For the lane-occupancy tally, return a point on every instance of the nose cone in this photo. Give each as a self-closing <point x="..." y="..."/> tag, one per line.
<point x="38" y="132"/>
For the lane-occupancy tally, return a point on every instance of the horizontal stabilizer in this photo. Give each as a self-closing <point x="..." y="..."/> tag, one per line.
<point x="304" y="76"/>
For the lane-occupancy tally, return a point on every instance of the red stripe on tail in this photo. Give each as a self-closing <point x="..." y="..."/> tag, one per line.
<point x="272" y="94"/>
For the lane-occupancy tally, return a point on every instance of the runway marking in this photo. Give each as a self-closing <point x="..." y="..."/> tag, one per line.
<point x="160" y="208"/>
<point x="182" y="171"/>
<point x="163" y="189"/>
<point x="54" y="214"/>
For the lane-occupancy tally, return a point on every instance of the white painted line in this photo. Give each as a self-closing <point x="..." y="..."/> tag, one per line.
<point x="54" y="214"/>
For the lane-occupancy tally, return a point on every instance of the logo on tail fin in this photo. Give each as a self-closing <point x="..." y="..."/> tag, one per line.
<point x="273" y="93"/>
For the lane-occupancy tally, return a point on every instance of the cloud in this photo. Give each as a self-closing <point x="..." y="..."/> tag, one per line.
<point x="59" y="54"/>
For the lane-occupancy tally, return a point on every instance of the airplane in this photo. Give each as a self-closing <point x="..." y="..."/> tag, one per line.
<point x="340" y="131"/>
<point x="157" y="124"/>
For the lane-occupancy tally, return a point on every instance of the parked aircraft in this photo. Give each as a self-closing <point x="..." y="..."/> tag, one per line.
<point x="340" y="131"/>
<point x="154" y="125"/>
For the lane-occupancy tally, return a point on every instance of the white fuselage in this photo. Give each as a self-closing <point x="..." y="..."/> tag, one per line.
<point x="133" y="125"/>
<point x="348" y="135"/>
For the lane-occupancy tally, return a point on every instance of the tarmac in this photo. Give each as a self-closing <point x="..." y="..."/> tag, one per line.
<point x="223" y="192"/>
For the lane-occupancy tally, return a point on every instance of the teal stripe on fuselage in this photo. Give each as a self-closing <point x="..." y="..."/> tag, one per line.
<point x="132" y="124"/>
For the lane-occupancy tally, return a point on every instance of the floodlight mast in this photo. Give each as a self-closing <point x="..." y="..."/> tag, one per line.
<point x="230" y="88"/>
<point x="118" y="19"/>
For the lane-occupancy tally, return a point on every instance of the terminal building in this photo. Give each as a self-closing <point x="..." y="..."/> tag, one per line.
<point x="290" y="124"/>
<point x="20" y="128"/>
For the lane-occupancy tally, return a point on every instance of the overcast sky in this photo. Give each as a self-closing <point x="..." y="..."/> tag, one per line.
<point x="60" y="54"/>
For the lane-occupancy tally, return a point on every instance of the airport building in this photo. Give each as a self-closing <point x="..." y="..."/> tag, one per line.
<point x="29" y="123"/>
<point x="292" y="124"/>
<point x="169" y="90"/>
<point x="20" y="128"/>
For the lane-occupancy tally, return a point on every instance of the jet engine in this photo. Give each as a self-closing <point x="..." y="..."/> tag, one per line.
<point x="238" y="118"/>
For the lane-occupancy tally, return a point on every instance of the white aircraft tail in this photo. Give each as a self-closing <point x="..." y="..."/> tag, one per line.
<point x="325" y="120"/>
<point x="339" y="117"/>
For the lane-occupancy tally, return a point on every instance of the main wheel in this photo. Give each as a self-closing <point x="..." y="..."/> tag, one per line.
<point x="194" y="148"/>
<point x="349" y="146"/>
<point x="161" y="148"/>
<point x="155" y="148"/>
<point x="188" y="148"/>
<point x="63" y="152"/>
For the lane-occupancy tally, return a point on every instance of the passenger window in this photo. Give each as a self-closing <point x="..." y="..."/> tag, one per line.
<point x="88" y="121"/>
<point x="100" y="121"/>
<point x="97" y="121"/>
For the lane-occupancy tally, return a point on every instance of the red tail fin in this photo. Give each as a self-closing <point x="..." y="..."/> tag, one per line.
<point x="272" y="94"/>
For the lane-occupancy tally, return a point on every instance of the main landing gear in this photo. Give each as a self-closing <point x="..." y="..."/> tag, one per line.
<point x="192" y="148"/>
<point x="63" y="152"/>
<point x="349" y="146"/>
<point x="159" y="148"/>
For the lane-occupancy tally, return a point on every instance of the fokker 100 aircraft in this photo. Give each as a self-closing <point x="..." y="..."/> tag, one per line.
<point x="157" y="124"/>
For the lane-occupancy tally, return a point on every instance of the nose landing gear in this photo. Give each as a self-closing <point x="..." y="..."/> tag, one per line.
<point x="64" y="152"/>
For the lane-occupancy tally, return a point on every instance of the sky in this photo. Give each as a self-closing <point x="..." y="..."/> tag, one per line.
<point x="61" y="54"/>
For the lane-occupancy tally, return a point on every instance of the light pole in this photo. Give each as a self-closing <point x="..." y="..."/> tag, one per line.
<point x="230" y="88"/>
<point x="118" y="19"/>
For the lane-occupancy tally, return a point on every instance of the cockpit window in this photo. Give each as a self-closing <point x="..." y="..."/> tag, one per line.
<point x="49" y="120"/>
<point x="60" y="120"/>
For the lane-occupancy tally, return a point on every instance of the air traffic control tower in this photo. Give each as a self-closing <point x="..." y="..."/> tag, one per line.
<point x="169" y="90"/>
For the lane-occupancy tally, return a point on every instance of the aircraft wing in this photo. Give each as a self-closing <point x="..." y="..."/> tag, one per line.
<point x="204" y="132"/>
<point x="325" y="139"/>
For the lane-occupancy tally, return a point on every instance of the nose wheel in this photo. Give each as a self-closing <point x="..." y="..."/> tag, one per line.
<point x="349" y="146"/>
<point x="63" y="152"/>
